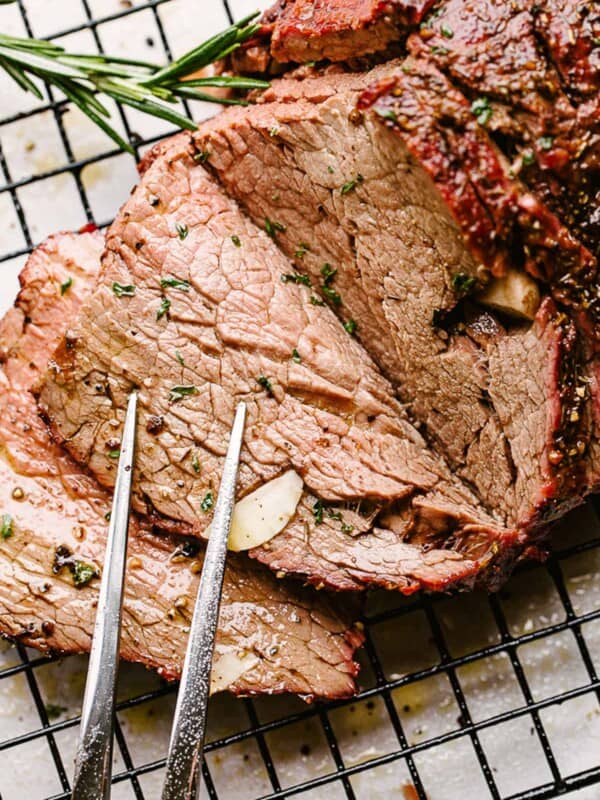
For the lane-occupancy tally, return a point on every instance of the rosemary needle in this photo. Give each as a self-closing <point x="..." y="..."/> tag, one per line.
<point x="148" y="87"/>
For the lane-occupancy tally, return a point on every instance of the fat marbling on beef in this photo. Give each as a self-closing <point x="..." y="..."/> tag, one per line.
<point x="216" y="313"/>
<point x="272" y="637"/>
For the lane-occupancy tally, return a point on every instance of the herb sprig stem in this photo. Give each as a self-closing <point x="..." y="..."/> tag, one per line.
<point x="142" y="85"/>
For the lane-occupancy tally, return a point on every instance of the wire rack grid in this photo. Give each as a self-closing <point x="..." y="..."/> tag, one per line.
<point x="470" y="697"/>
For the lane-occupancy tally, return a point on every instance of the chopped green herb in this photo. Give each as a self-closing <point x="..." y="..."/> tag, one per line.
<point x="265" y="383"/>
<point x="182" y="230"/>
<point x="328" y="274"/>
<point x="316" y="301"/>
<point x="386" y="113"/>
<point x="330" y="169"/>
<point x="334" y="514"/>
<point x="123" y="290"/>
<point x="83" y="573"/>
<point x="236" y="240"/>
<point x="293" y="277"/>
<point x="6" y="529"/>
<point x="302" y="250"/>
<point x="179" y="392"/>
<point x="202" y="157"/>
<point x="195" y="461"/>
<point x="296" y="356"/>
<point x="53" y="711"/>
<point x="318" y="512"/>
<point x="439" y="51"/>
<point x="66" y="285"/>
<point x="273" y="228"/>
<point x="114" y="453"/>
<point x="446" y="31"/>
<point x="351" y="185"/>
<point x="274" y="131"/>
<point x="350" y="326"/>
<point x="207" y="502"/>
<point x="545" y="142"/>
<point x="528" y="158"/>
<point x="175" y="283"/>
<point x="482" y="110"/>
<point x="462" y="283"/>
<point x="179" y="357"/>
<point x="107" y="516"/>
<point x="163" y="308"/>
<point x="347" y="528"/>
<point x="331" y="294"/>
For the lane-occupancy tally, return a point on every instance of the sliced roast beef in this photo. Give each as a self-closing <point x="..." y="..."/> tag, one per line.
<point x="198" y="308"/>
<point x="386" y="227"/>
<point x="273" y="637"/>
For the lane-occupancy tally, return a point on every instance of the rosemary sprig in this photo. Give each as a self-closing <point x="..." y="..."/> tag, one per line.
<point x="140" y="84"/>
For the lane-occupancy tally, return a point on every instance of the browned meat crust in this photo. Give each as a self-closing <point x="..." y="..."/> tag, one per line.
<point x="273" y="637"/>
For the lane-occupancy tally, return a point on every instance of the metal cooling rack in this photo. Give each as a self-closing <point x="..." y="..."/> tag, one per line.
<point x="488" y="680"/>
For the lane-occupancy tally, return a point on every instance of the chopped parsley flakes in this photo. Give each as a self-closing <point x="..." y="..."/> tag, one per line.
<point x="163" y="308"/>
<point x="293" y="277"/>
<point x="545" y="142"/>
<point x="182" y="230"/>
<point x="296" y="356"/>
<point x="179" y="392"/>
<point x="83" y="573"/>
<point x="350" y="326"/>
<point x="349" y="186"/>
<point x="123" y="289"/>
<point x="195" y="461"/>
<point x="202" y="157"/>
<point x="265" y="383"/>
<point x="302" y="250"/>
<point x="66" y="285"/>
<point x="236" y="240"/>
<point x="6" y="529"/>
<point x="318" y="512"/>
<point x="175" y="283"/>
<point x="207" y="502"/>
<point x="482" y="110"/>
<point x="462" y="283"/>
<point x="273" y="228"/>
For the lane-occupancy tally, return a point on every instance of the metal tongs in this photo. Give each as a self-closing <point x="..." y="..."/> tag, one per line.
<point x="93" y="765"/>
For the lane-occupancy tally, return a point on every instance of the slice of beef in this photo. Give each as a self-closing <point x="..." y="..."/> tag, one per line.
<point x="397" y="218"/>
<point x="272" y="637"/>
<point x="304" y="31"/>
<point x="494" y="51"/>
<point x="312" y="30"/>
<point x="245" y="325"/>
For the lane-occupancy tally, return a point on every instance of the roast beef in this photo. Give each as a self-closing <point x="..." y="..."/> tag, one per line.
<point x="197" y="307"/>
<point x="397" y="218"/>
<point x="273" y="637"/>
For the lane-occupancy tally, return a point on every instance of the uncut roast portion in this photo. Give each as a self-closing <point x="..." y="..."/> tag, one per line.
<point x="272" y="637"/>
